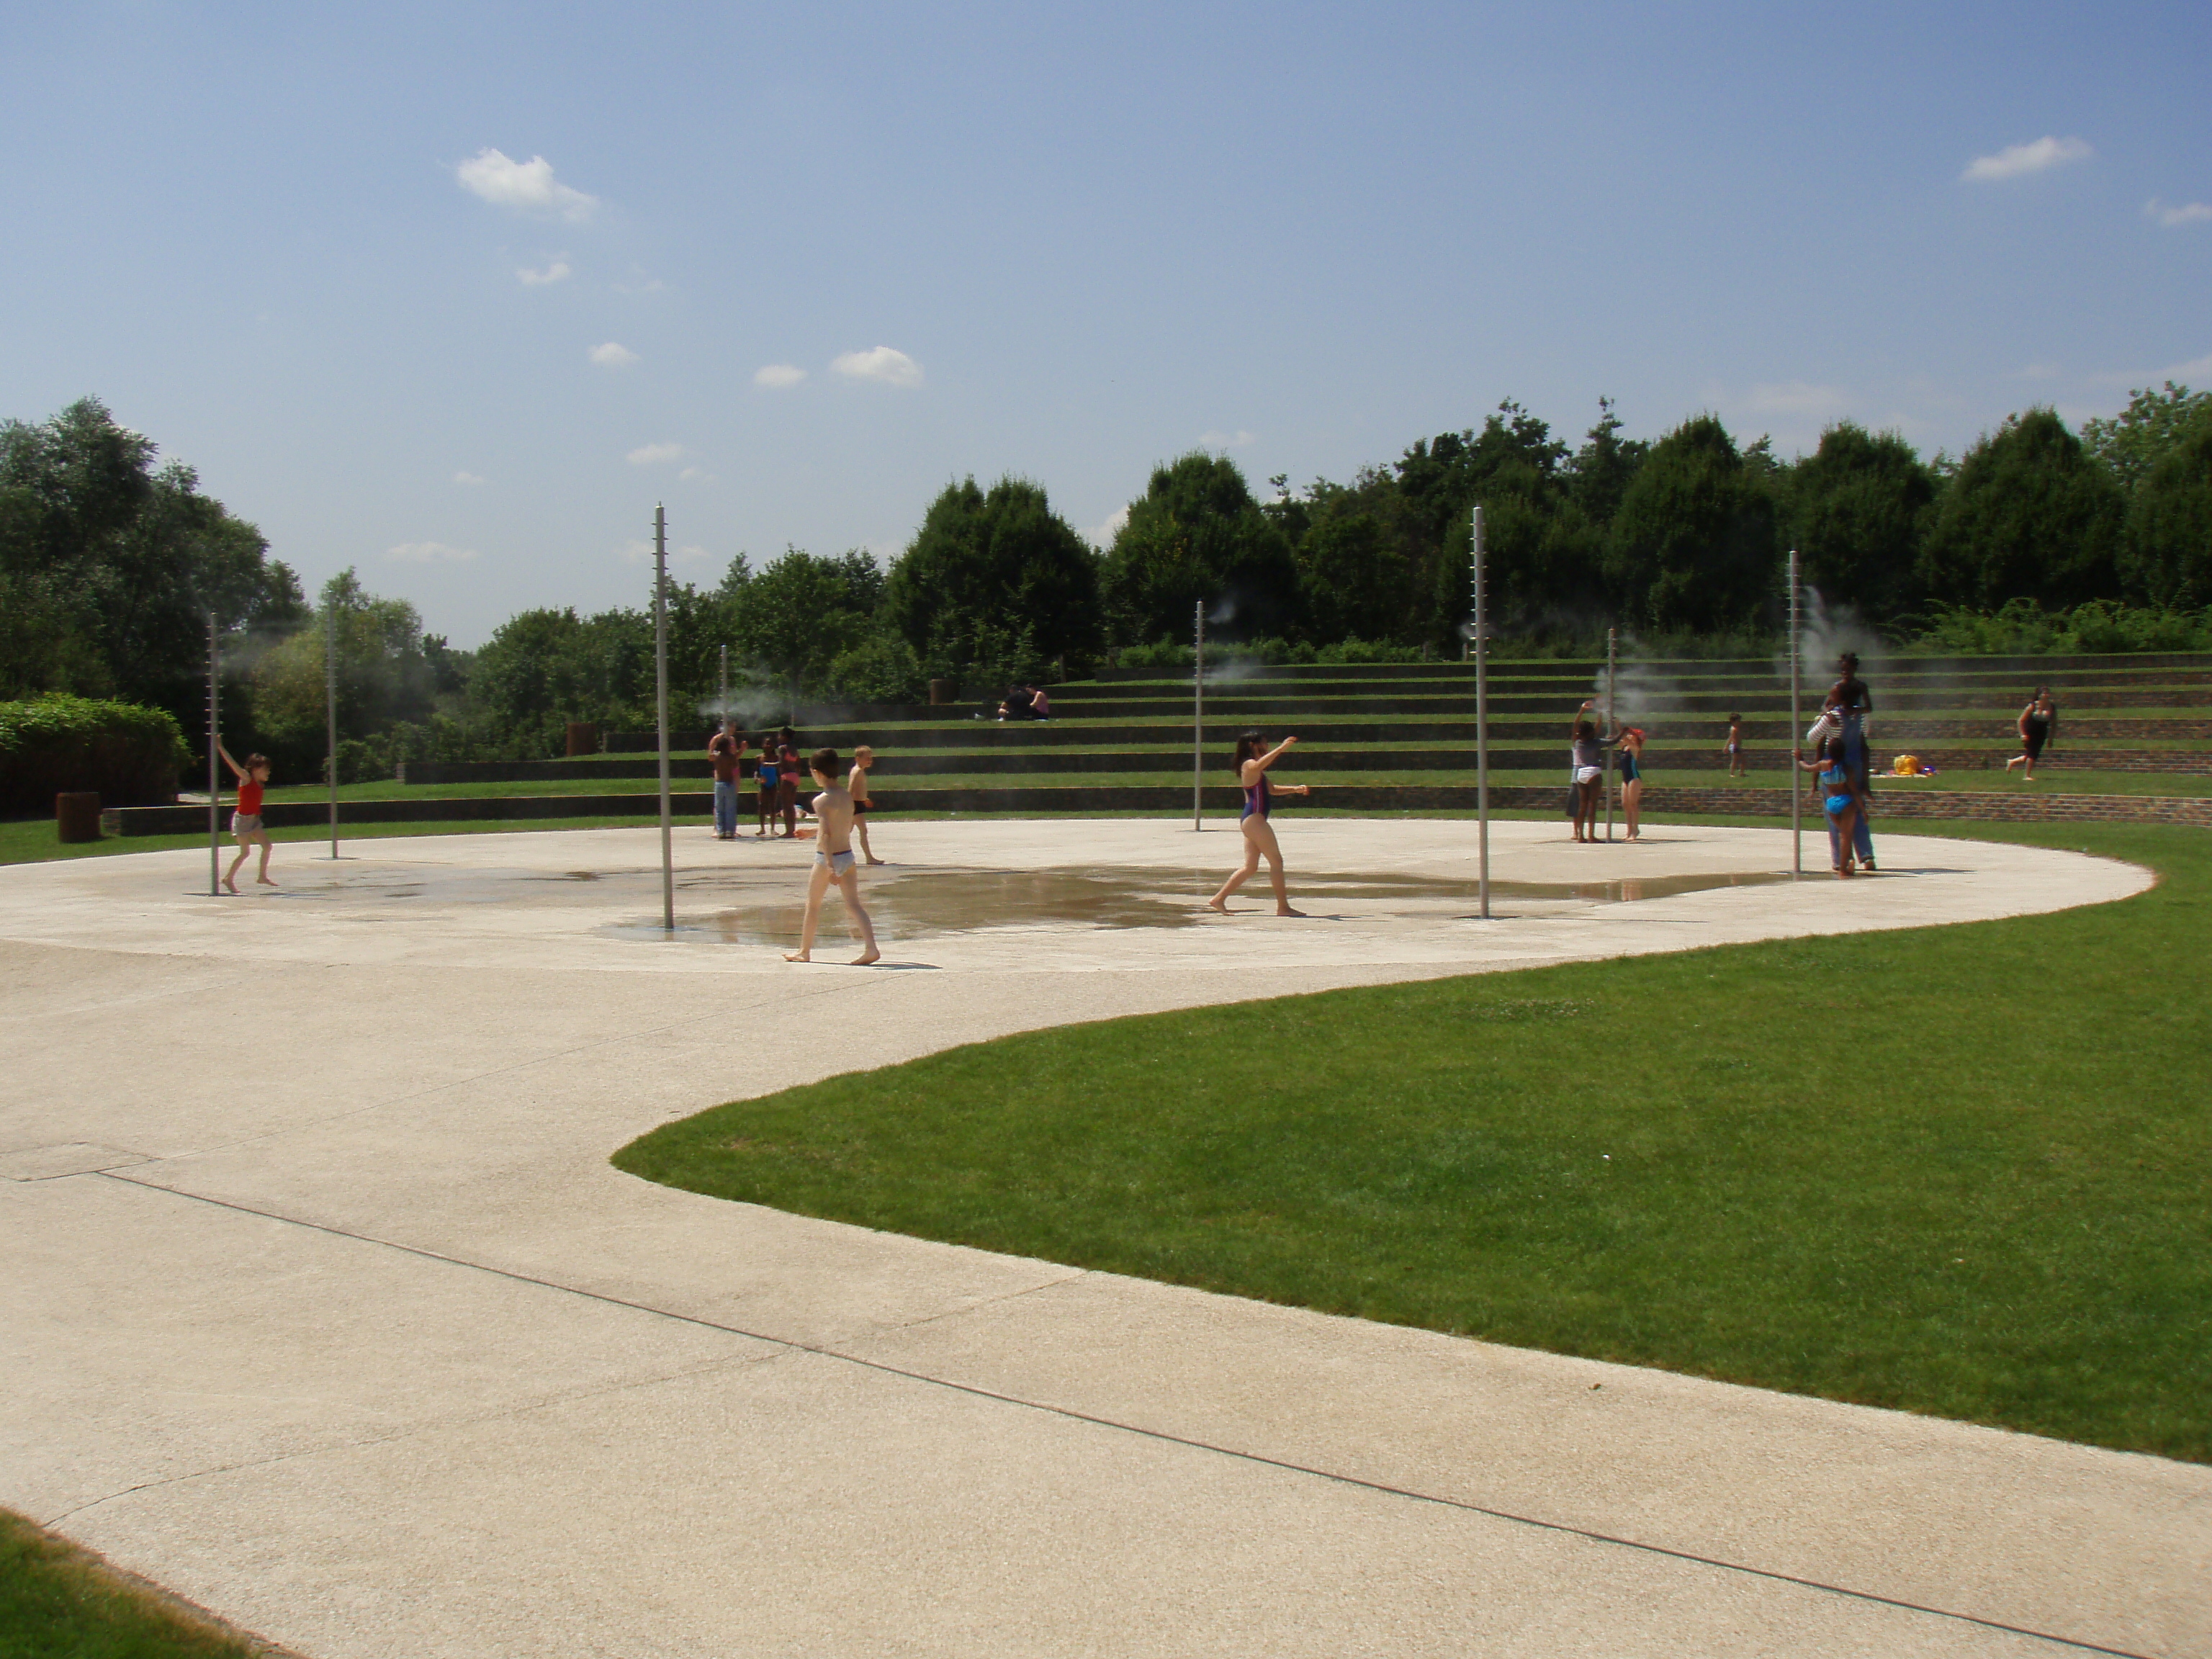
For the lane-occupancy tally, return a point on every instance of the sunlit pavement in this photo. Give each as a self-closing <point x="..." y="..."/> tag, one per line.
<point x="325" y="1309"/>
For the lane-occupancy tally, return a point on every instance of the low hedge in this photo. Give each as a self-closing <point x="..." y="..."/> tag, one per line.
<point x="128" y="753"/>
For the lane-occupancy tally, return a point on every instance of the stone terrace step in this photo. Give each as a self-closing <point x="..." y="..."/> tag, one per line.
<point x="1738" y="800"/>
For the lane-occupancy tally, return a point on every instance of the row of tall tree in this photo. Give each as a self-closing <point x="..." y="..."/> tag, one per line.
<point x="109" y="564"/>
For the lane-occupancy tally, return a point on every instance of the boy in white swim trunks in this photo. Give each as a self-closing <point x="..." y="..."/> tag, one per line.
<point x="833" y="861"/>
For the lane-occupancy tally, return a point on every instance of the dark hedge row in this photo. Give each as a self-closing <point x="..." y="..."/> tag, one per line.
<point x="130" y="754"/>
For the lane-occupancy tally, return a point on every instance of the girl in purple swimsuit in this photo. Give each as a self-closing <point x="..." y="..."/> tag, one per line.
<point x="1258" y="833"/>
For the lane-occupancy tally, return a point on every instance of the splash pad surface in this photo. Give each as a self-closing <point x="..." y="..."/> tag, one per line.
<point x="320" y="1282"/>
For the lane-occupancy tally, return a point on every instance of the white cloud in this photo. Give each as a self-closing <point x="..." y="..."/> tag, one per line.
<point x="2189" y="212"/>
<point x="1237" y="440"/>
<point x="528" y="186"/>
<point x="2197" y="369"/>
<point x="2038" y="372"/>
<point x="885" y="363"/>
<point x="555" y="270"/>
<point x="777" y="376"/>
<point x="691" y="555"/>
<point x="635" y="552"/>
<point x="656" y="454"/>
<point x="1793" y="397"/>
<point x="467" y="478"/>
<point x="2015" y="161"/>
<point x="430" y="553"/>
<point x="696" y="474"/>
<point x="1103" y="535"/>
<point x="611" y="355"/>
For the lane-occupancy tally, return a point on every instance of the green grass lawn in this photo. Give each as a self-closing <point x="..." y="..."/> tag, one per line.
<point x="57" y="1603"/>
<point x="1963" y="1170"/>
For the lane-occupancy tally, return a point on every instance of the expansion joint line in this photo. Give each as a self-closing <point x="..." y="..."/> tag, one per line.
<point x="1260" y="1458"/>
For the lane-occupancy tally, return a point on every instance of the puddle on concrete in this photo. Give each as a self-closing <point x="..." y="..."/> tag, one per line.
<point x="908" y="905"/>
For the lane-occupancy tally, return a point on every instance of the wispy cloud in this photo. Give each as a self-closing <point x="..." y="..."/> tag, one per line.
<point x="467" y="478"/>
<point x="612" y="356"/>
<point x="696" y="475"/>
<point x="885" y="363"/>
<point x="2016" y="161"/>
<point x="526" y="186"/>
<point x="2189" y="213"/>
<point x="1795" y="398"/>
<point x="554" y="271"/>
<point x="2037" y="372"/>
<point x="656" y="454"/>
<point x="777" y="376"/>
<point x="430" y="553"/>
<point x="1103" y="535"/>
<point x="1237" y="440"/>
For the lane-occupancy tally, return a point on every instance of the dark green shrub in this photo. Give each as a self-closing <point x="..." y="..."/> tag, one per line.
<point x="130" y="754"/>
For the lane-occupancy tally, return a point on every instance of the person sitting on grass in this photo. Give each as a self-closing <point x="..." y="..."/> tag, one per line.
<point x="833" y="861"/>
<point x="246" y="821"/>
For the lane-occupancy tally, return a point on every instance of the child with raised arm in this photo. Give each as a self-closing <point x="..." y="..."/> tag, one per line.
<point x="1258" y="833"/>
<point x="857" y="786"/>
<point x="833" y="861"/>
<point x="246" y="821"/>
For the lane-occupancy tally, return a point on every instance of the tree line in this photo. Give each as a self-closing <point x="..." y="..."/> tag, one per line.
<point x="109" y="564"/>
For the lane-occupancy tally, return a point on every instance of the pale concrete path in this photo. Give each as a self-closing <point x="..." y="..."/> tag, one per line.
<point x="323" y="1307"/>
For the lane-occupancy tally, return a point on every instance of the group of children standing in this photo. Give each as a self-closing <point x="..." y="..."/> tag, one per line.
<point x="775" y="771"/>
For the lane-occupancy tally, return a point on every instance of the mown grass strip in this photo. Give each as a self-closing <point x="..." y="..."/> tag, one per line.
<point x="57" y="1601"/>
<point x="1963" y="1170"/>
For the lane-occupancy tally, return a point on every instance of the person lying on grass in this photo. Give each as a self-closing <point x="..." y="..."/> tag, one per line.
<point x="833" y="861"/>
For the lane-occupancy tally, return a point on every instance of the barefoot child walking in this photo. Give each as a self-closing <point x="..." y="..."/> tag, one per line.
<point x="246" y="822"/>
<point x="1258" y="833"/>
<point x="833" y="861"/>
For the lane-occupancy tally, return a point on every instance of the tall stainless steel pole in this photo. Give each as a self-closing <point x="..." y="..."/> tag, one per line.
<point x="330" y="705"/>
<point x="660" y="697"/>
<point x="1198" y="716"/>
<point x="1797" y="793"/>
<point x="1612" y="728"/>
<point x="215" y="777"/>
<point x="1481" y="728"/>
<point x="724" y="711"/>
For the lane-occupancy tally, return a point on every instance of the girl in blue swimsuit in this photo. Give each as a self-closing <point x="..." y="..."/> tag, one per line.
<point x="1840" y="801"/>
<point x="1258" y="833"/>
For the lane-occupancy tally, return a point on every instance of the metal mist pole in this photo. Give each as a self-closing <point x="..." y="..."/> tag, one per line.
<point x="661" y="696"/>
<point x="215" y="745"/>
<point x="724" y="710"/>
<point x="1481" y="730"/>
<point x="1613" y="728"/>
<point x="1198" y="716"/>
<point x="330" y="706"/>
<point x="1797" y="792"/>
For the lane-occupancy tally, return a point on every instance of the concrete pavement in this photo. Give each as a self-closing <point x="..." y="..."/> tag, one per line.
<point x="326" y="1310"/>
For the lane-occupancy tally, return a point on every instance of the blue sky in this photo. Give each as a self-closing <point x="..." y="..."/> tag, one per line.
<point x="454" y="293"/>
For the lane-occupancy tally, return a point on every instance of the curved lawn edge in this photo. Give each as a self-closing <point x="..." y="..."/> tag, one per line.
<point x="1959" y="1170"/>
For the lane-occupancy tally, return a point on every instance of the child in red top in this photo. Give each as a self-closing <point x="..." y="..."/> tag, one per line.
<point x="246" y="822"/>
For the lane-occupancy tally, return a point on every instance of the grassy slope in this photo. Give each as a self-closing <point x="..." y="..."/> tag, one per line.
<point x="56" y="1603"/>
<point x="1965" y="1170"/>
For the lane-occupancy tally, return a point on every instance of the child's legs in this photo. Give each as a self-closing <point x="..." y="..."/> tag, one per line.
<point x="848" y="887"/>
<point x="816" y="887"/>
<point x="1631" y="802"/>
<point x="860" y="833"/>
<point x="1260" y="841"/>
<point x="1835" y="841"/>
<point x="1862" y="834"/>
<point x="267" y="846"/>
<point x="1243" y="872"/>
<point x="245" y="847"/>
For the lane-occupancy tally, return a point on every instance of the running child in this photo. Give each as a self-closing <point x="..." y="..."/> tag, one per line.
<point x="246" y="821"/>
<point x="857" y="786"/>
<point x="833" y="861"/>
<point x="1258" y="833"/>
